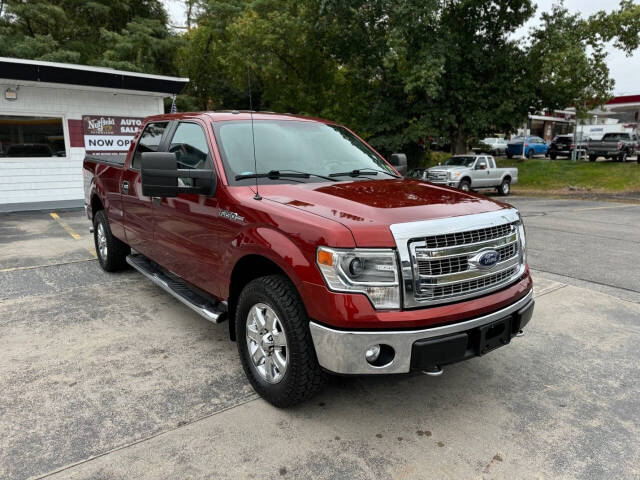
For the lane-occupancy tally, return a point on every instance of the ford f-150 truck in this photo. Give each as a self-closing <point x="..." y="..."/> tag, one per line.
<point x="322" y="258"/>
<point x="615" y="145"/>
<point x="472" y="172"/>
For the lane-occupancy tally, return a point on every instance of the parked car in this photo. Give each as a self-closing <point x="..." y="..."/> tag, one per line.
<point x="318" y="253"/>
<point x="473" y="172"/>
<point x="617" y="146"/>
<point x="492" y="145"/>
<point x="532" y="146"/>
<point x="563" y="146"/>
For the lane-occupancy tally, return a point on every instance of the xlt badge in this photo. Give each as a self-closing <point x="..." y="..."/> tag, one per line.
<point x="233" y="216"/>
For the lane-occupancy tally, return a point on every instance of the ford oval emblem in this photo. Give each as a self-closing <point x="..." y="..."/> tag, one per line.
<point x="488" y="258"/>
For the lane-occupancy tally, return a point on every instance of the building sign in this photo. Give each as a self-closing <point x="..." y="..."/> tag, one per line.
<point x="107" y="134"/>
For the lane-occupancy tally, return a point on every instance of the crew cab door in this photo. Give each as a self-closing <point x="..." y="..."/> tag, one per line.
<point x="186" y="227"/>
<point x="138" y="215"/>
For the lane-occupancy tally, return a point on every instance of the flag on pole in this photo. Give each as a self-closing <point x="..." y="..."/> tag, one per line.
<point x="174" y="108"/>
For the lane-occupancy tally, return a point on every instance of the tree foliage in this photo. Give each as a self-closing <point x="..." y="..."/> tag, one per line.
<point x="129" y="34"/>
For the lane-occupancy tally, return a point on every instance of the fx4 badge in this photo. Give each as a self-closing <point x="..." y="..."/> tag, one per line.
<point x="233" y="216"/>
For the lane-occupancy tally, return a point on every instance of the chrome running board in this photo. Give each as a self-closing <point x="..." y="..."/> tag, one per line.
<point x="215" y="312"/>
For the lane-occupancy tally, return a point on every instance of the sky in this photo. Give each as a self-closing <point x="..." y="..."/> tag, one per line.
<point x="624" y="70"/>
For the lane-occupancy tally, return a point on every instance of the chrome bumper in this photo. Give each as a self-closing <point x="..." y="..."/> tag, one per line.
<point x="343" y="352"/>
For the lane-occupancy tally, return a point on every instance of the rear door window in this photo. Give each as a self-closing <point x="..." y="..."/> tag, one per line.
<point x="149" y="142"/>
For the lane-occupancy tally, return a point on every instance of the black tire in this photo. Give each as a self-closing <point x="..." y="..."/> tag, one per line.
<point x="114" y="258"/>
<point x="505" y="187"/>
<point x="464" y="185"/>
<point x="553" y="156"/>
<point x="303" y="377"/>
<point x="592" y="158"/>
<point x="509" y="156"/>
<point x="530" y="153"/>
<point x="623" y="157"/>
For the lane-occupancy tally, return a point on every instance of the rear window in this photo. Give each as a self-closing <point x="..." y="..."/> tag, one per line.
<point x="562" y="140"/>
<point x="615" y="136"/>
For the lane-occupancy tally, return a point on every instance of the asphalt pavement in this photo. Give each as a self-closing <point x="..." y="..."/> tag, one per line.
<point x="105" y="376"/>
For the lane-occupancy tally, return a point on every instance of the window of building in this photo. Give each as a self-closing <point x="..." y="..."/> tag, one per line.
<point x="22" y="136"/>
<point x="149" y="142"/>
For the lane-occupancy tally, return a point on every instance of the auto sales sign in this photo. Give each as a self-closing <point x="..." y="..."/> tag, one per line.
<point x="107" y="134"/>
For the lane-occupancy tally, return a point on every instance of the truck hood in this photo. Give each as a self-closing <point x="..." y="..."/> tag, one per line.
<point x="369" y="207"/>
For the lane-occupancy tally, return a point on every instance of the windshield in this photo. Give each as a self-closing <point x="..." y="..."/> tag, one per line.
<point x="303" y="146"/>
<point x="461" y="161"/>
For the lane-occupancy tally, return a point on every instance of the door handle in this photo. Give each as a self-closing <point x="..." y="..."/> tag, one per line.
<point x="125" y="187"/>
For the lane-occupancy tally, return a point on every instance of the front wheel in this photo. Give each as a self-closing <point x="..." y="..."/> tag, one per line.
<point x="274" y="342"/>
<point x="509" y="156"/>
<point x="623" y="157"/>
<point x="553" y="156"/>
<point x="464" y="185"/>
<point x="592" y="158"/>
<point x="112" y="252"/>
<point x="505" y="187"/>
<point x="530" y="154"/>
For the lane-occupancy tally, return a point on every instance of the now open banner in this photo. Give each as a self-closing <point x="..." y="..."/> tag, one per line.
<point x="109" y="134"/>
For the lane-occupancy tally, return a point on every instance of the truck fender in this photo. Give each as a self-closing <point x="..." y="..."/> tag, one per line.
<point x="260" y="251"/>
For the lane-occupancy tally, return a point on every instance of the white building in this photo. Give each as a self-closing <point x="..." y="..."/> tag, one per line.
<point x="52" y="113"/>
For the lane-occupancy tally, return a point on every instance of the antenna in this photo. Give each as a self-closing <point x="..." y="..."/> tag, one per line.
<point x="253" y="137"/>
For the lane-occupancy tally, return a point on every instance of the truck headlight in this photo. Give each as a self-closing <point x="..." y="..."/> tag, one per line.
<point x="523" y="240"/>
<point x="373" y="272"/>
<point x="454" y="175"/>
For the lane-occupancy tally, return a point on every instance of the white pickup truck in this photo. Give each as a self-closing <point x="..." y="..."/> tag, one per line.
<point x="472" y="172"/>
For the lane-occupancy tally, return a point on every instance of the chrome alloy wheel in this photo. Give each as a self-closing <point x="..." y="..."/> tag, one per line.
<point x="267" y="343"/>
<point x="102" y="241"/>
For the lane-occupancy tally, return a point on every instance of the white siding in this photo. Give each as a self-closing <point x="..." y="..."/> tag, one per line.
<point x="56" y="178"/>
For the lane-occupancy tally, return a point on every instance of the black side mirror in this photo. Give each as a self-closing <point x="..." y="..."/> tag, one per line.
<point x="399" y="160"/>
<point x="160" y="174"/>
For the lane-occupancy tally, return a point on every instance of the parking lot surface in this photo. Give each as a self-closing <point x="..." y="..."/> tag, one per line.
<point x="105" y="376"/>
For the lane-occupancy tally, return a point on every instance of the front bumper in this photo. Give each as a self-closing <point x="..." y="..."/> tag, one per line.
<point x="343" y="352"/>
<point x="447" y="183"/>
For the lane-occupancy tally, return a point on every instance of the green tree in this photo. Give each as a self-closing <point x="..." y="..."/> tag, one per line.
<point x="130" y="34"/>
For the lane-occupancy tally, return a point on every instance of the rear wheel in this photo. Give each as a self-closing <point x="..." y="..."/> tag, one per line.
<point x="464" y="185"/>
<point x="553" y="156"/>
<point x="274" y="342"/>
<point x="505" y="187"/>
<point x="592" y="158"/>
<point x="112" y="252"/>
<point x="509" y="155"/>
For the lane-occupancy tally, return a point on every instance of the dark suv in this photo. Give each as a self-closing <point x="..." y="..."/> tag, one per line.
<point x="561" y="146"/>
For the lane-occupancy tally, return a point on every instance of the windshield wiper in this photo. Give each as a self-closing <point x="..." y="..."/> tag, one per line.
<point x="275" y="174"/>
<point x="361" y="172"/>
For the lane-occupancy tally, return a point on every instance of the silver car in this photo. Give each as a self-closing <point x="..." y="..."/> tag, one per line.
<point x="472" y="172"/>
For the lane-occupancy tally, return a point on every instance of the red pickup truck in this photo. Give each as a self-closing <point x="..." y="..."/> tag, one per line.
<point x="321" y="256"/>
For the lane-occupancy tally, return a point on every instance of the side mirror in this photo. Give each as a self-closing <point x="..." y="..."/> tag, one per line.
<point x="399" y="160"/>
<point x="160" y="174"/>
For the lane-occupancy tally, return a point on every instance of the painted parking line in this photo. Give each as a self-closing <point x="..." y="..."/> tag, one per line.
<point x="67" y="228"/>
<point x="31" y="267"/>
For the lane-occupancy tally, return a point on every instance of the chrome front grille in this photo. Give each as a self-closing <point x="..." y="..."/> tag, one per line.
<point x="465" y="238"/>
<point x="443" y="260"/>
<point x="436" y="176"/>
<point x="460" y="263"/>
<point x="470" y="286"/>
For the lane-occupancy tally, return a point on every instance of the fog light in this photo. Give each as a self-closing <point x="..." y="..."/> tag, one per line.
<point x="372" y="353"/>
